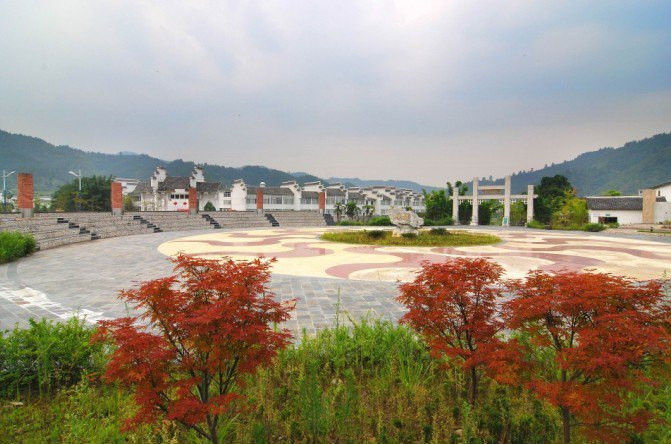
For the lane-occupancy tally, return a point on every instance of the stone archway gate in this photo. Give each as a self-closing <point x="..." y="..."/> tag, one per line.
<point x="493" y="192"/>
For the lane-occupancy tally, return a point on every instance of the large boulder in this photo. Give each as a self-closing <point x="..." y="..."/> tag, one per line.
<point x="405" y="221"/>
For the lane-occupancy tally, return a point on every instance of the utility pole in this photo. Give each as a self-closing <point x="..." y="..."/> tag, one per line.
<point x="5" y="175"/>
<point x="78" y="175"/>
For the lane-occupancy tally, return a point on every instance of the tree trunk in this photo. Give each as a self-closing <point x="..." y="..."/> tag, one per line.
<point x="474" y="386"/>
<point x="566" y="423"/>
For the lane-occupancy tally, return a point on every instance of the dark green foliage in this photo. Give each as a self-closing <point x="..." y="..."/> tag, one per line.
<point x="409" y="235"/>
<point x="594" y="227"/>
<point x="15" y="245"/>
<point x="375" y="234"/>
<point x="209" y="206"/>
<point x="47" y="356"/>
<point x="536" y="224"/>
<point x="518" y="213"/>
<point x="349" y="222"/>
<point x="380" y="221"/>
<point x="486" y="211"/>
<point x="50" y="165"/>
<point x="438" y="231"/>
<point x="438" y="205"/>
<point x="95" y="195"/>
<point x="552" y="193"/>
<point x="444" y="221"/>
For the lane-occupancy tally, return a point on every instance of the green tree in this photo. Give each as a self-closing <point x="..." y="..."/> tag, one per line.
<point x="94" y="196"/>
<point x="572" y="214"/>
<point x="612" y="193"/>
<point x="209" y="206"/>
<point x="438" y="205"/>
<point x="338" y="210"/>
<point x="552" y="194"/>
<point x="518" y="213"/>
<point x="367" y="211"/>
<point x="128" y="204"/>
<point x="352" y="210"/>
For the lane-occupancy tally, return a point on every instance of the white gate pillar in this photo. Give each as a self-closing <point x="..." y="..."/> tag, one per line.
<point x="506" y="202"/>
<point x="474" y="218"/>
<point x="530" y="203"/>
<point x="455" y="205"/>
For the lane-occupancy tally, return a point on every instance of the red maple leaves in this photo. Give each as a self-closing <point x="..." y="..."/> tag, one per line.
<point x="200" y="330"/>
<point x="453" y="306"/>
<point x="580" y="340"/>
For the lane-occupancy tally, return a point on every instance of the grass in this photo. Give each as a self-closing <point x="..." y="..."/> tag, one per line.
<point x="370" y="382"/>
<point x="424" y="239"/>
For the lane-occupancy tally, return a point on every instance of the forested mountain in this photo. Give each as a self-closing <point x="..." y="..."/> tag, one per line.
<point x="636" y="165"/>
<point x="50" y="165"/>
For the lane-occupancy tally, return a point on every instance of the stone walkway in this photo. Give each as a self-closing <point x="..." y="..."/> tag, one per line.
<point x="84" y="279"/>
<point x="325" y="278"/>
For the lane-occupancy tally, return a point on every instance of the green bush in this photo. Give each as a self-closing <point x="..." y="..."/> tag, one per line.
<point x="347" y="223"/>
<point x="536" y="224"/>
<point x="14" y="245"/>
<point x="209" y="206"/>
<point x="613" y="225"/>
<point x="46" y="356"/>
<point x="594" y="227"/>
<point x="409" y="235"/>
<point x="380" y="221"/>
<point x="438" y="222"/>
<point x="438" y="231"/>
<point x="375" y="234"/>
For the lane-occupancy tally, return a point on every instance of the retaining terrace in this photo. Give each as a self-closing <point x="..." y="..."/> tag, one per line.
<point x="51" y="230"/>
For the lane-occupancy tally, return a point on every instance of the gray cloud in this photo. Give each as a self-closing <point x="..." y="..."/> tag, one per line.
<point x="429" y="91"/>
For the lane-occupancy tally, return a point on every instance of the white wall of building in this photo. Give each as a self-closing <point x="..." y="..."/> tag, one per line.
<point x="624" y="217"/>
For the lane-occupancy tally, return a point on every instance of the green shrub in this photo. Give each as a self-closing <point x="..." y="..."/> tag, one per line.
<point x="347" y="223"/>
<point x="14" y="245"/>
<point x="594" y="227"/>
<point x="380" y="221"/>
<point x="209" y="206"/>
<point x="536" y="224"/>
<point x="46" y="356"/>
<point x="409" y="235"/>
<point x="375" y="234"/>
<point x="438" y="222"/>
<point x="613" y="225"/>
<point x="438" y="231"/>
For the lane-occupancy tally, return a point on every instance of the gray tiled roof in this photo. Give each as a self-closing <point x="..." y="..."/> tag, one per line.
<point x="630" y="203"/>
<point x="310" y="194"/>
<point x="661" y="185"/>
<point x="277" y="191"/>
<point x="174" y="183"/>
<point x="142" y="188"/>
<point x="208" y="187"/>
<point x="334" y="192"/>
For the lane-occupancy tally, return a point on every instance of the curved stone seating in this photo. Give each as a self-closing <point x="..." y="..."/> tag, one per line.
<point x="299" y="218"/>
<point x="239" y="219"/>
<point x="47" y="230"/>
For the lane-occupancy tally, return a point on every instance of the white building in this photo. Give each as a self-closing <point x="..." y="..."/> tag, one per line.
<point x="651" y="206"/>
<point x="171" y="193"/>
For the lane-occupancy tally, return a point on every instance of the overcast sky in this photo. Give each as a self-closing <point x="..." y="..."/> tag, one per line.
<point x="422" y="90"/>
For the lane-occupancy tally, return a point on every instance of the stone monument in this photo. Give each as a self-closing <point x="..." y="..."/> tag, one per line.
<point x="405" y="221"/>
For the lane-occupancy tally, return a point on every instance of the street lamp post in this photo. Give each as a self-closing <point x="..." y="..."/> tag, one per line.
<point x="78" y="175"/>
<point x="5" y="175"/>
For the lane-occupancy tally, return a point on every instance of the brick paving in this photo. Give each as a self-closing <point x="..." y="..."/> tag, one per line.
<point x="84" y="279"/>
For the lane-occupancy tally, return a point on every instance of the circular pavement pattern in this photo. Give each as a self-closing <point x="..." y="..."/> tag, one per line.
<point x="329" y="280"/>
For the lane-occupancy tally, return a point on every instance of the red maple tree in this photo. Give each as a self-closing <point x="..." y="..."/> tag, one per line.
<point x="200" y="330"/>
<point x="586" y="340"/>
<point x="453" y="306"/>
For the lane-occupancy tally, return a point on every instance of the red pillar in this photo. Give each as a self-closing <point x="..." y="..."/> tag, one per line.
<point x="322" y="202"/>
<point x="117" y="198"/>
<point x="259" y="200"/>
<point x="26" y="197"/>
<point x="193" y="201"/>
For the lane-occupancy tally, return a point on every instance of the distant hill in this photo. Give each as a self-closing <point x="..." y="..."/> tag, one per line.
<point x="50" y="165"/>
<point x="636" y="165"/>
<point x="355" y="181"/>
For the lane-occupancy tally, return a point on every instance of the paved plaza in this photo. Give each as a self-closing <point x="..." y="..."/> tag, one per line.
<point x="326" y="278"/>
